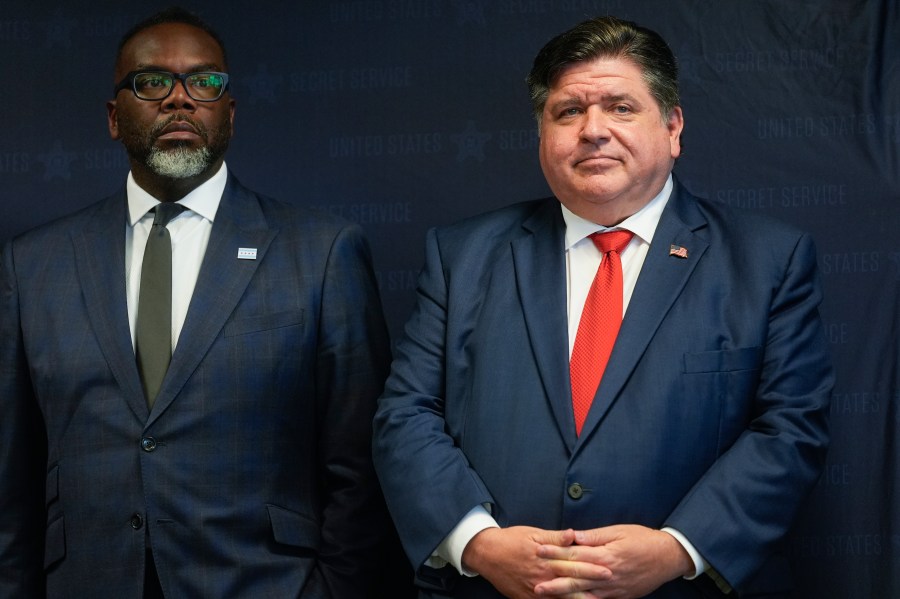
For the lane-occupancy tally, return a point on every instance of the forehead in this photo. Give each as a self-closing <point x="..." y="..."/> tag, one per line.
<point x="174" y="46"/>
<point x="616" y="75"/>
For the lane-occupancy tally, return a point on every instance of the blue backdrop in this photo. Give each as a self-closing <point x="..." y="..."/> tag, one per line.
<point x="405" y="114"/>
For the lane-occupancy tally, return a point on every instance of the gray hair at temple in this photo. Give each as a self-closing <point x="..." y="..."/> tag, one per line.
<point x="607" y="37"/>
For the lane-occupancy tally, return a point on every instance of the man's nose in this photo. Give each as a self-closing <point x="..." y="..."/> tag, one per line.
<point x="178" y="98"/>
<point x="595" y="125"/>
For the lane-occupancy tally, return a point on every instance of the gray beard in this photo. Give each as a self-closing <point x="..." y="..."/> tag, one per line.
<point x="179" y="163"/>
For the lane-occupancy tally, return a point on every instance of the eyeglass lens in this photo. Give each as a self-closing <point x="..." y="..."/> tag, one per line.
<point x="200" y="86"/>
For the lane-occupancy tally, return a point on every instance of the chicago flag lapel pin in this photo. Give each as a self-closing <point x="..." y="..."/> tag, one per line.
<point x="246" y="254"/>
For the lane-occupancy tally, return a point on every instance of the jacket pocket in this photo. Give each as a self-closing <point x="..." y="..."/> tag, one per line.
<point x="294" y="529"/>
<point x="720" y="385"/>
<point x="265" y="322"/>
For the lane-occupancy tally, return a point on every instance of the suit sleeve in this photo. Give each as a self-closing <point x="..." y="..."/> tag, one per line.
<point x="737" y="513"/>
<point x="22" y="454"/>
<point x="428" y="482"/>
<point x="352" y="362"/>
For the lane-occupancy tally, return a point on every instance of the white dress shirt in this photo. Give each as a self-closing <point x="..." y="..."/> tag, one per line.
<point x="582" y="261"/>
<point x="189" y="231"/>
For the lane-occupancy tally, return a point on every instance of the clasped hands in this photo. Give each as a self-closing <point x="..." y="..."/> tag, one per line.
<point x="619" y="562"/>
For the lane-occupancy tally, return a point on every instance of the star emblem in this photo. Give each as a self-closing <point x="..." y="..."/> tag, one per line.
<point x="56" y="162"/>
<point x="470" y="143"/>
<point x="263" y="85"/>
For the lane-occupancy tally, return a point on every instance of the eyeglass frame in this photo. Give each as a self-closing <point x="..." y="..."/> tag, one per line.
<point x="128" y="82"/>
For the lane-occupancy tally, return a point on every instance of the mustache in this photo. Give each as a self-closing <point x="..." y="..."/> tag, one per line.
<point x="158" y="128"/>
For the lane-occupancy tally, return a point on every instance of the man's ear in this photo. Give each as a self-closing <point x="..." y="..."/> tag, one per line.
<point x="675" y="126"/>
<point x="112" y="119"/>
<point x="231" y="114"/>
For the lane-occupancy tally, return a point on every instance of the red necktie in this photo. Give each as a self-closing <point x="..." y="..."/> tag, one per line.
<point x="599" y="324"/>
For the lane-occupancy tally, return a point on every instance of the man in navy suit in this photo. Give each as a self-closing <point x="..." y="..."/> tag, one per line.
<point x="248" y="474"/>
<point x="708" y="426"/>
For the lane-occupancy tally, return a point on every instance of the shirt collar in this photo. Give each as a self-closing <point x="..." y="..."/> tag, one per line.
<point x="204" y="200"/>
<point x="642" y="223"/>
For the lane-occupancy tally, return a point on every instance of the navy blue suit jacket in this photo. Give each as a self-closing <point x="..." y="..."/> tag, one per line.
<point x="711" y="416"/>
<point x="251" y="476"/>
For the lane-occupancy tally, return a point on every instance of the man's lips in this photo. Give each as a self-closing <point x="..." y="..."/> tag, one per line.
<point x="179" y="130"/>
<point x="596" y="160"/>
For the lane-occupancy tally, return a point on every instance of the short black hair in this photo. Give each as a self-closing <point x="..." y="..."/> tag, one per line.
<point x="607" y="37"/>
<point x="173" y="14"/>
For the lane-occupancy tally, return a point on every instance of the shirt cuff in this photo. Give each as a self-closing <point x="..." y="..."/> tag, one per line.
<point x="700" y="565"/>
<point x="451" y="549"/>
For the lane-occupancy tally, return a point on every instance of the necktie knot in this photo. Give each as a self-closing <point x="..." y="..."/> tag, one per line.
<point x="612" y="241"/>
<point x="165" y="212"/>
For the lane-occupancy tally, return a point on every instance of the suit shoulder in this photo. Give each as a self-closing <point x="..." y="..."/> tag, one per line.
<point x="501" y="224"/>
<point x="288" y="216"/>
<point x="60" y="227"/>
<point x="282" y="211"/>
<point x="733" y="224"/>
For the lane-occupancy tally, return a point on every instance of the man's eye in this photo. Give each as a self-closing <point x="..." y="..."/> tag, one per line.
<point x="152" y="82"/>
<point x="207" y="81"/>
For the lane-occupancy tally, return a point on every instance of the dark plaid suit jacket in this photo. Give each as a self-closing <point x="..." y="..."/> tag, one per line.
<point x="251" y="476"/>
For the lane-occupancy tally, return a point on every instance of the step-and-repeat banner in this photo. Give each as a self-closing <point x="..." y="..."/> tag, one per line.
<point x="405" y="114"/>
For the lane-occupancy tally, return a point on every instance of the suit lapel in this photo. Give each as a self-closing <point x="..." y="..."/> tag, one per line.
<point x="540" y="266"/>
<point x="661" y="281"/>
<point x="223" y="278"/>
<point x="100" y="259"/>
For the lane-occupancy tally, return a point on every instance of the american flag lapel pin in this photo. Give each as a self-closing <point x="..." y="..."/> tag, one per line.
<point x="678" y="251"/>
<point x="246" y="254"/>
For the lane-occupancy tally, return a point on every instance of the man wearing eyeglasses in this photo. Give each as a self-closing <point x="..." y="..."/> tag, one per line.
<point x="187" y="405"/>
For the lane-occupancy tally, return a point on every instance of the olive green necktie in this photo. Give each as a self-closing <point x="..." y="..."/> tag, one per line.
<point x="153" y="333"/>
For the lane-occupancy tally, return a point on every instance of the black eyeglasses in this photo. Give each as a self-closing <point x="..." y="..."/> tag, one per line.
<point x="157" y="85"/>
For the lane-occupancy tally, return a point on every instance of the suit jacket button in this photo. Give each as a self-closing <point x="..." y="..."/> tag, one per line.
<point x="575" y="491"/>
<point x="137" y="521"/>
<point x="148" y="444"/>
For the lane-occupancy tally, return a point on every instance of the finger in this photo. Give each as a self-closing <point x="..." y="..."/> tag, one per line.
<point x="560" y="538"/>
<point x="596" y="536"/>
<point x="555" y="552"/>
<point x="594" y="573"/>
<point x="565" y="587"/>
<point x="577" y="553"/>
